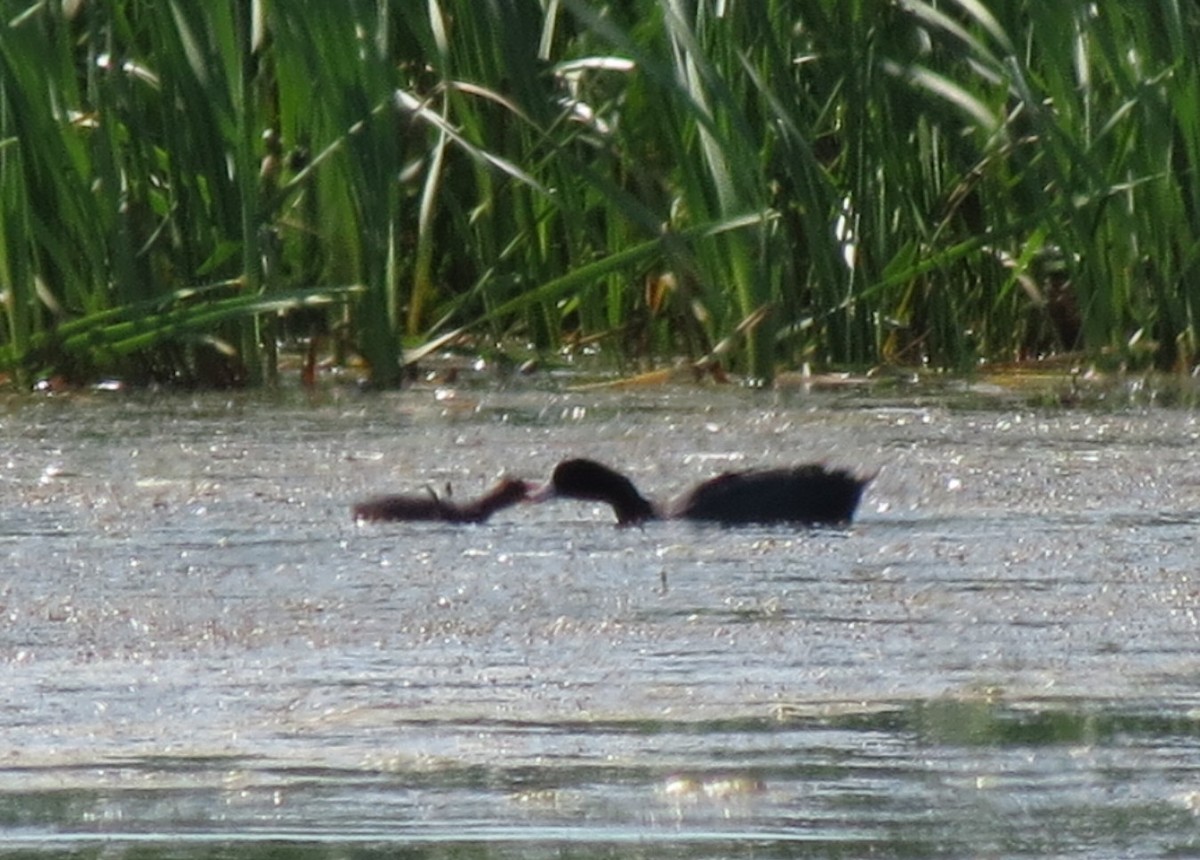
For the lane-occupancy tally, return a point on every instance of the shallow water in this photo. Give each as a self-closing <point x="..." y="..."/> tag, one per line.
<point x="201" y="653"/>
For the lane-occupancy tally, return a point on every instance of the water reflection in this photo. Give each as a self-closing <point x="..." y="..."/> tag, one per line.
<point x="201" y="649"/>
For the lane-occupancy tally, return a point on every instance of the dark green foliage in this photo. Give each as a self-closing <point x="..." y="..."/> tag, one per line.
<point x="779" y="182"/>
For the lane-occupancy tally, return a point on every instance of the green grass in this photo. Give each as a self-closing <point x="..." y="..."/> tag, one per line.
<point x="184" y="186"/>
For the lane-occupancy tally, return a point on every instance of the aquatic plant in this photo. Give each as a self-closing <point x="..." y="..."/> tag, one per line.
<point x="185" y="186"/>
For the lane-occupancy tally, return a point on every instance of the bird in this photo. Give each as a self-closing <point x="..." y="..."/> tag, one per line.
<point x="808" y="494"/>
<point x="431" y="507"/>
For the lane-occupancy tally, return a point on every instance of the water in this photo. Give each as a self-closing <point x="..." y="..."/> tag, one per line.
<point x="201" y="653"/>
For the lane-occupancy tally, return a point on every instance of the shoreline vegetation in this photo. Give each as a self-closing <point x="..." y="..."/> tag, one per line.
<point x="744" y="189"/>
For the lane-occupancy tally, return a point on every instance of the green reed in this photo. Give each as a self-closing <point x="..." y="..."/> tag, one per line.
<point x="768" y="184"/>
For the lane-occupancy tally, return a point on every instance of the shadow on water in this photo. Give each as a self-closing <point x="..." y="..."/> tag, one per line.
<point x="203" y="656"/>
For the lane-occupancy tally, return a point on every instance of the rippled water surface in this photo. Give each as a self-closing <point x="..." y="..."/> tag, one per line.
<point x="201" y="653"/>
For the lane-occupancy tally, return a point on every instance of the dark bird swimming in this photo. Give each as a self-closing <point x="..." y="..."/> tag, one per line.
<point x="809" y="494"/>
<point x="432" y="507"/>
